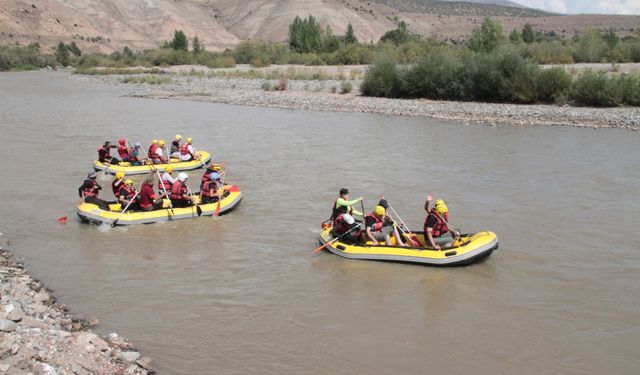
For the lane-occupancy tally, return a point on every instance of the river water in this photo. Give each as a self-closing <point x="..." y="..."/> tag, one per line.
<point x="242" y="293"/>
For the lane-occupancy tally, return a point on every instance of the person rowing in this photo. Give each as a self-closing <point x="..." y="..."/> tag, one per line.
<point x="128" y="196"/>
<point x="166" y="180"/>
<point x="209" y="192"/>
<point x="187" y="151"/>
<point x="175" y="146"/>
<point x="377" y="225"/>
<point x="148" y="200"/>
<point x="104" y="154"/>
<point x="180" y="192"/>
<point x="435" y="226"/>
<point x="117" y="183"/>
<point x="89" y="191"/>
<point x="343" y="227"/>
<point x="124" y="151"/>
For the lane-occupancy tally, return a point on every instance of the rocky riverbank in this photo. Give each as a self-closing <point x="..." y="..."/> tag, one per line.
<point x="324" y="96"/>
<point x="40" y="336"/>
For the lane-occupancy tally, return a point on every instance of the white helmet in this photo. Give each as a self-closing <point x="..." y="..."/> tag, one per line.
<point x="183" y="176"/>
<point x="348" y="219"/>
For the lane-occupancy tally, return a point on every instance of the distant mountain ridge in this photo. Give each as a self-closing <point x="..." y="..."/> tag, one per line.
<point x="108" y="25"/>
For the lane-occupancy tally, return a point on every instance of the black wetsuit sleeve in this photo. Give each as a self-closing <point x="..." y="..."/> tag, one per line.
<point x="431" y="221"/>
<point x="369" y="222"/>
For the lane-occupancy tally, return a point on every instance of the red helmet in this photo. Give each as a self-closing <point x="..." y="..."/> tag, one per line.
<point x="121" y="141"/>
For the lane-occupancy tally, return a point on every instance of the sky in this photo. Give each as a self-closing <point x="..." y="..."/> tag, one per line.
<point x="585" y="6"/>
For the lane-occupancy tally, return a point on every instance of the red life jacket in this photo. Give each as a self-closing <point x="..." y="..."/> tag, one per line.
<point x="152" y="152"/>
<point x="208" y="186"/>
<point x="91" y="191"/>
<point x="165" y="183"/>
<point x="178" y="190"/>
<point x="128" y="193"/>
<point x="184" y="149"/>
<point x="377" y="227"/>
<point x="340" y="227"/>
<point x="123" y="152"/>
<point x="116" y="188"/>
<point x="440" y="227"/>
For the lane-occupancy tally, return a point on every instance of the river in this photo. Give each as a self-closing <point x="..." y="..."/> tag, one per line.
<point x="243" y="294"/>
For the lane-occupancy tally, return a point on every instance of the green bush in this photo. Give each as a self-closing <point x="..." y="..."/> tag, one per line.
<point x="382" y="79"/>
<point x="629" y="88"/>
<point x="437" y="76"/>
<point x="345" y="87"/>
<point x="553" y="84"/>
<point x="24" y="58"/>
<point x="595" y="89"/>
<point x="548" y="52"/>
<point x="481" y="78"/>
<point x="520" y="83"/>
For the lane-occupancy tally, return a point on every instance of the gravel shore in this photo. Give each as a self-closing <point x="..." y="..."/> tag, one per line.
<point x="318" y="96"/>
<point x="39" y="335"/>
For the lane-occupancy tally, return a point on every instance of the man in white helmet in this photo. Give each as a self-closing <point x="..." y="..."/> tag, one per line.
<point x="180" y="192"/>
<point x="344" y="226"/>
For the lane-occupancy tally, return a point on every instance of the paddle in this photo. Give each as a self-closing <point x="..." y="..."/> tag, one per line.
<point x="63" y="220"/>
<point x="220" y="195"/>
<point x="198" y="209"/>
<point x="165" y="192"/>
<point x="335" y="239"/>
<point x="199" y="156"/>
<point x="115" y="222"/>
<point x="412" y="237"/>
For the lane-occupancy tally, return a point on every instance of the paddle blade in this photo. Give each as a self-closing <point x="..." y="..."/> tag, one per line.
<point x="62" y="220"/>
<point x="114" y="223"/>
<point x="320" y="248"/>
<point x="199" y="210"/>
<point x="233" y="189"/>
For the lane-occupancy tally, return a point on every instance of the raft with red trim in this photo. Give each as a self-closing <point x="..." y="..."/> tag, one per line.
<point x="468" y="249"/>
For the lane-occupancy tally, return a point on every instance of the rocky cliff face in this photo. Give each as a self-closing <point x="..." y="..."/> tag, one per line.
<point x="107" y="25"/>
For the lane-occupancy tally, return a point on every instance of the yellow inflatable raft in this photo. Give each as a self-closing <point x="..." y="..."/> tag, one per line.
<point x="468" y="249"/>
<point x="91" y="213"/>
<point x="129" y="169"/>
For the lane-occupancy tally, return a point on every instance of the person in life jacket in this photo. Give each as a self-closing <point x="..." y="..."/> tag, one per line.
<point x="151" y="153"/>
<point x="343" y="205"/>
<point x="207" y="173"/>
<point x="148" y="199"/>
<point x="435" y="226"/>
<point x="346" y="228"/>
<point x="187" y="151"/>
<point x="175" y="146"/>
<point x="180" y="192"/>
<point x="104" y="154"/>
<point x="124" y="151"/>
<point x="166" y="180"/>
<point x="377" y="224"/>
<point x="126" y="196"/>
<point x="117" y="183"/>
<point x="89" y="191"/>
<point x="135" y="155"/>
<point x="209" y="192"/>
<point x="159" y="157"/>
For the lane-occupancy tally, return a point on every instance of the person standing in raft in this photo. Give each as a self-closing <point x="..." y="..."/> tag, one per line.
<point x="376" y="228"/>
<point x="175" y="147"/>
<point x="148" y="199"/>
<point x="180" y="192"/>
<point x="344" y="228"/>
<point x="126" y="196"/>
<point x="188" y="152"/>
<point x="89" y="191"/>
<point x="124" y="151"/>
<point x="343" y="205"/>
<point x="104" y="154"/>
<point x="435" y="227"/>
<point x="117" y="183"/>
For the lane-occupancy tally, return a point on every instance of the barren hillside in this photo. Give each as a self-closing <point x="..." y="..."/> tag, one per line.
<point x="107" y="25"/>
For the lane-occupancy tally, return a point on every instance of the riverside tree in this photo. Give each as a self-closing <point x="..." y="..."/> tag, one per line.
<point x="349" y="36"/>
<point x="400" y="35"/>
<point x="180" y="41"/>
<point x="487" y="38"/>
<point x="62" y="54"/>
<point x="528" y="36"/>
<point x="305" y="36"/>
<point x="196" y="46"/>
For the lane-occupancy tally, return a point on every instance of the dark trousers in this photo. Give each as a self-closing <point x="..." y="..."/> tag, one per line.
<point x="156" y="206"/>
<point x="98" y="202"/>
<point x="177" y="203"/>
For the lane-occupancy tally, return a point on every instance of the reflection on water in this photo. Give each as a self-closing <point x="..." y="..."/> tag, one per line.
<point x="243" y="294"/>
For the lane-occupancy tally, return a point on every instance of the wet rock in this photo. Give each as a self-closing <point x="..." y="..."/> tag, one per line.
<point x="7" y="325"/>
<point x="128" y="356"/>
<point x="145" y="363"/>
<point x="14" y="311"/>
